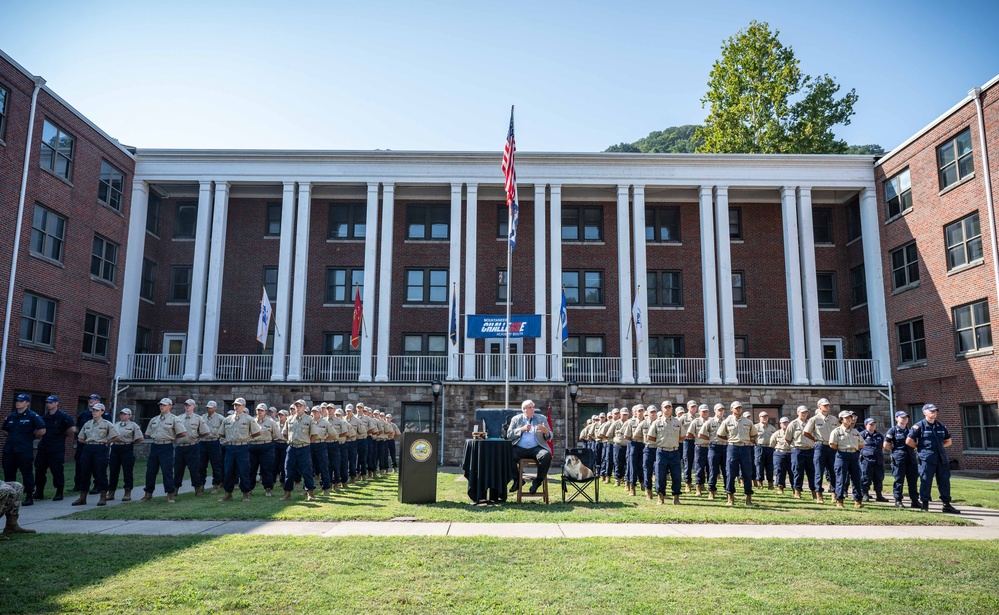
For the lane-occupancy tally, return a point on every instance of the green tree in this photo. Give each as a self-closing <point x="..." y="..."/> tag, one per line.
<point x="630" y="148"/>
<point x="872" y="149"/>
<point x="762" y="103"/>
<point x="673" y="140"/>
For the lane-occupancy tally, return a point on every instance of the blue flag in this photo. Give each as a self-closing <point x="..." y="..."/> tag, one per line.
<point x="563" y="318"/>
<point x="454" y="318"/>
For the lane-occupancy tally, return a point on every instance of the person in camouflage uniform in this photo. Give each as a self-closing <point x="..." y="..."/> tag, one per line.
<point x="10" y="506"/>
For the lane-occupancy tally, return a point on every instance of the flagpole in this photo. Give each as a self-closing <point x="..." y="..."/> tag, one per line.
<point x="509" y="294"/>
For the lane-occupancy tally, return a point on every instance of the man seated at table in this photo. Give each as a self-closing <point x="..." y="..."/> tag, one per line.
<point x="530" y="434"/>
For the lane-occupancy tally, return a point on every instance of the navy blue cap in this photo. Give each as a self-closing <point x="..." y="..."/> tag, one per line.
<point x="929" y="407"/>
<point x="23" y="397"/>
<point x="52" y="398"/>
<point x="901" y="413"/>
<point x="869" y="421"/>
<point x="95" y="396"/>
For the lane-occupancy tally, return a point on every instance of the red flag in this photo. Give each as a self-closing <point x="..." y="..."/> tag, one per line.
<point x="551" y="446"/>
<point x="355" y="328"/>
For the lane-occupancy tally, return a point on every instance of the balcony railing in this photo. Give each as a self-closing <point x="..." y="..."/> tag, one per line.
<point x="592" y="370"/>
<point x="764" y="372"/>
<point x="677" y="371"/>
<point x="243" y="367"/>
<point x="411" y="368"/>
<point x="156" y="366"/>
<point x="331" y="368"/>
<point x="851" y="372"/>
<point x="489" y="367"/>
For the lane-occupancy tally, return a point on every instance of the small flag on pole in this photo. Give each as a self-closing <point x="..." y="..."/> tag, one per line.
<point x="636" y="316"/>
<point x="563" y="319"/>
<point x="355" y="327"/>
<point x="264" y="322"/>
<point x="510" y="176"/>
<point x="454" y="317"/>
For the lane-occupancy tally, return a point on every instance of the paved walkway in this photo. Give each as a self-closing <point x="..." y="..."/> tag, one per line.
<point x="45" y="515"/>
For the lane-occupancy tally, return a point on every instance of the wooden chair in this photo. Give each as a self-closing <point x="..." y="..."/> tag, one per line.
<point x="522" y="487"/>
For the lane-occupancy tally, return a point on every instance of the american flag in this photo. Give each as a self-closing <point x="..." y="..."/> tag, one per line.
<point x="510" y="175"/>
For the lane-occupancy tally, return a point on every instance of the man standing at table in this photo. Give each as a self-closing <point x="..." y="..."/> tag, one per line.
<point x="530" y="435"/>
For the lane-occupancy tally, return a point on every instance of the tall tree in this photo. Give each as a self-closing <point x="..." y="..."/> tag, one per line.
<point x="762" y="103"/>
<point x="673" y="140"/>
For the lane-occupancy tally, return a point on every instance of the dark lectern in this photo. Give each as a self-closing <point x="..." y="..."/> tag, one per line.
<point x="418" y="468"/>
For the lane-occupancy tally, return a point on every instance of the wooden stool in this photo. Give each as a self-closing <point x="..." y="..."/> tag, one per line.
<point x="522" y="488"/>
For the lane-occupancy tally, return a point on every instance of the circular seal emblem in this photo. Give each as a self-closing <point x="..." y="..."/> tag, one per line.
<point x="421" y="450"/>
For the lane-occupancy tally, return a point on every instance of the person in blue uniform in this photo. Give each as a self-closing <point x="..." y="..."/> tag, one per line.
<point x="872" y="461"/>
<point x="52" y="449"/>
<point x="904" y="465"/>
<point x="23" y="427"/>
<point x="930" y="438"/>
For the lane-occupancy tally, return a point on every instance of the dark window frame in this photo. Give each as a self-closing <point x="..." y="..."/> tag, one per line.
<point x="353" y="274"/>
<point x="427" y="286"/>
<point x="153" y="215"/>
<point x="185" y="223"/>
<point x="37" y="321"/>
<point x="854" y="222"/>
<point x="56" y="155"/>
<point x="745" y="346"/>
<point x="657" y="344"/>
<point x="970" y="246"/>
<point x="663" y="294"/>
<point x="979" y="328"/>
<point x="502" y="221"/>
<point x="657" y="218"/>
<point x="832" y="301"/>
<point x="4" y="97"/>
<point x="143" y="340"/>
<point x="354" y="216"/>
<point x="272" y="219"/>
<point x="958" y="160"/>
<point x="329" y="347"/>
<point x="858" y="286"/>
<point x="916" y="345"/>
<point x="737" y="300"/>
<point x="580" y="296"/>
<point x="176" y="284"/>
<point x="823" y="235"/>
<point x="862" y="345"/>
<point x="425" y="339"/>
<point x="270" y="286"/>
<point x="106" y="261"/>
<point x="147" y="282"/>
<point x="898" y="193"/>
<point x="47" y="238"/>
<point x="501" y="285"/>
<point x="93" y="337"/>
<point x="983" y="418"/>
<point x="424" y="216"/>
<point x="581" y="342"/>
<point x="737" y="235"/>
<point x="111" y="191"/>
<point x="582" y="215"/>
<point x="907" y="268"/>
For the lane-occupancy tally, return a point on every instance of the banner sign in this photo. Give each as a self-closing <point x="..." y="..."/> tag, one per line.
<point x="521" y="325"/>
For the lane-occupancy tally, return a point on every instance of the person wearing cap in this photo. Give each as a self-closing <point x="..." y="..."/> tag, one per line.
<point x="649" y="454"/>
<point x="802" y="453"/>
<point x="666" y="433"/>
<point x="237" y="431"/>
<point x="386" y="432"/>
<point x="700" y="446"/>
<point x="396" y="433"/>
<point x="262" y="450"/>
<point x="530" y="435"/>
<point x="81" y="420"/>
<point x="337" y="434"/>
<point x="817" y="429"/>
<point x="620" y="454"/>
<point x="904" y="465"/>
<point x="210" y="447"/>
<point x="122" y="459"/>
<point x="740" y="434"/>
<point x="634" y="438"/>
<point x="280" y="447"/>
<point x="300" y="431"/>
<point x="717" y="448"/>
<point x="931" y="439"/>
<point x="163" y="430"/>
<point x="872" y="461"/>
<point x="601" y="464"/>
<point x="782" y="454"/>
<point x="362" y="442"/>
<point x="51" y="454"/>
<point x="350" y="444"/>
<point x="846" y="441"/>
<point x="606" y="437"/>
<point x="687" y="445"/>
<point x="319" y="450"/>
<point x="23" y="427"/>
<point x="97" y="434"/>
<point x="763" y="452"/>
<point x="188" y="453"/>
<point x="373" y="433"/>
<point x="10" y="507"/>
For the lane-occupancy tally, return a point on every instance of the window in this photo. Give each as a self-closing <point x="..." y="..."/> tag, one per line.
<point x="741" y="346"/>
<point x="337" y="289"/>
<point x="858" y="286"/>
<point x="272" y="225"/>
<point x="826" y="286"/>
<point x="339" y="344"/>
<point x="186" y="222"/>
<point x="904" y="266"/>
<point x="583" y="223"/>
<point x="502" y="221"/>
<point x="862" y="345"/>
<point x="426" y="285"/>
<point x="415" y="417"/>
<point x="103" y="259"/>
<point x="981" y="426"/>
<point x="142" y="338"/>
<point x="972" y="327"/>
<point x="96" y="332"/>
<point x="153" y="215"/>
<point x="270" y="282"/>
<point x="37" y="320"/>
<point x="347" y="220"/>
<point x="57" y="150"/>
<point x="3" y="111"/>
<point x="911" y="341"/>
<point x="665" y="288"/>
<point x="666" y="346"/>
<point x="148" y="282"/>
<point x="734" y="223"/>
<point x="428" y="221"/>
<point x="854" y="226"/>
<point x="111" y="186"/>
<point x="822" y="225"/>
<point x="662" y="224"/>
<point x="48" y="229"/>
<point x="501" y="285"/>
<point x="424" y="344"/>
<point x="964" y="241"/>
<point x="955" y="160"/>
<point x="180" y="284"/>
<point x="583" y="287"/>
<point x="898" y="194"/>
<point x="738" y="288"/>
<point x="584" y="346"/>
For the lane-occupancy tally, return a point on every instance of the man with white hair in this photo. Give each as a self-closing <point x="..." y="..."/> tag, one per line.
<point x="530" y="435"/>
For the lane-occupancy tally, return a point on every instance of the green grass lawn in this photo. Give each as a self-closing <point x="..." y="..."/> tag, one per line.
<point x="256" y="574"/>
<point x="378" y="501"/>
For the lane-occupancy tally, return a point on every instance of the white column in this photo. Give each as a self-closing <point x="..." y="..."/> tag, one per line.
<point x="216" y="264"/>
<point x="385" y="283"/>
<point x="709" y="285"/>
<point x="282" y="302"/>
<point x="368" y="296"/>
<point x="555" y="267"/>
<point x="454" y="277"/>
<point x="873" y="273"/>
<point x="471" y="244"/>
<point x="792" y="275"/>
<point x="199" y="281"/>
<point x="132" y="281"/>
<point x="641" y="279"/>
<point x="540" y="294"/>
<point x="810" y="292"/>
<point x="725" y="310"/>
<point x="296" y="336"/>
<point x="625" y="288"/>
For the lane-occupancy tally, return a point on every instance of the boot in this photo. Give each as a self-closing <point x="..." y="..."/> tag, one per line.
<point x="80" y="501"/>
<point x="286" y="497"/>
<point x="688" y="487"/>
<point x="617" y="482"/>
<point x="915" y="504"/>
<point x="731" y="500"/>
<point x="947" y="508"/>
<point x="818" y="498"/>
<point x="310" y="495"/>
<point x="858" y="504"/>
<point x="353" y="480"/>
<point x="797" y="494"/>
<point x="14" y="528"/>
<point x="648" y="494"/>
<point x="780" y="490"/>
<point x="749" y="500"/>
<point x="699" y="490"/>
<point x="199" y="491"/>
<point x="58" y="495"/>
<point x="39" y="493"/>
<point x="711" y="495"/>
<point x="110" y="495"/>
<point x="147" y="497"/>
<point x="326" y="493"/>
<point x="898" y="504"/>
<point x="880" y="498"/>
<point x="104" y="499"/>
<point x="28" y="501"/>
<point x="267" y="493"/>
<point x="770" y="484"/>
<point x="224" y="498"/>
<point x="662" y="499"/>
<point x="171" y="497"/>
<point x="246" y="497"/>
<point x="631" y="489"/>
<point x="128" y="496"/>
<point x="813" y="494"/>
<point x="839" y="504"/>
<point x="215" y="489"/>
<point x="676" y="500"/>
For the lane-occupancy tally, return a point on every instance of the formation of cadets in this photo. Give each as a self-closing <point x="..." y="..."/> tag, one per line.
<point x="336" y="446"/>
<point x="646" y="447"/>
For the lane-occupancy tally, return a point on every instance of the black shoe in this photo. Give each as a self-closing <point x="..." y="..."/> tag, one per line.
<point x="915" y="504"/>
<point x="27" y="501"/>
<point x="924" y="506"/>
<point x="880" y="498"/>
<point x="58" y="496"/>
<point x="947" y="508"/>
<point x="39" y="495"/>
<point x="898" y="504"/>
<point x="534" y="488"/>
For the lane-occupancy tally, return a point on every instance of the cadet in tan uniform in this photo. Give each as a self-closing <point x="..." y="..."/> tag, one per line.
<point x="319" y="450"/>
<point x="818" y="429"/>
<point x="123" y="454"/>
<point x="95" y="436"/>
<point x="237" y="431"/>
<point x="352" y="442"/>
<point x="716" y="448"/>
<point x="391" y="441"/>
<point x="301" y="432"/>
<point x="700" y="446"/>
<point x="606" y="435"/>
<point x="280" y="447"/>
<point x="740" y="433"/>
<point x="211" y="449"/>
<point x="163" y="430"/>
<point x="782" y="454"/>
<point x="846" y="441"/>
<point x="649" y="454"/>
<point x="338" y="450"/>
<point x="802" y="462"/>
<point x="188" y="453"/>
<point x="687" y="445"/>
<point x="763" y="452"/>
<point x="362" y="442"/>
<point x="262" y="450"/>
<point x="635" y="446"/>
<point x="620" y="445"/>
<point x="665" y="433"/>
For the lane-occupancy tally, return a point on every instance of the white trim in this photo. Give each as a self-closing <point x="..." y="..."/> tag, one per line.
<point x="709" y="286"/>
<point x="282" y="302"/>
<point x="726" y="312"/>
<point x="809" y="285"/>
<point x="471" y="243"/>
<point x="296" y="341"/>
<point x="385" y="283"/>
<point x="792" y="275"/>
<point x="199" y="280"/>
<point x="555" y="266"/>
<point x="641" y="270"/>
<point x="216" y="266"/>
<point x="540" y="295"/>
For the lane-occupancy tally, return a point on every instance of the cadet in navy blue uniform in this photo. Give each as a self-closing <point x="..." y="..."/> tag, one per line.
<point x="52" y="448"/>
<point x="872" y="461"/>
<point x="929" y="437"/>
<point x="903" y="459"/>
<point x="23" y="427"/>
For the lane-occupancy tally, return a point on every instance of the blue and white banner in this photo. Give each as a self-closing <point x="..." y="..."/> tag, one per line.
<point x="489" y="325"/>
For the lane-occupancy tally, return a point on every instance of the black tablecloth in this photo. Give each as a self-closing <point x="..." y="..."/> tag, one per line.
<point x="488" y="466"/>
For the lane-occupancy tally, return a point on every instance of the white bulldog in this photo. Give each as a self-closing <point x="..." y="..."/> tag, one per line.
<point x="574" y="469"/>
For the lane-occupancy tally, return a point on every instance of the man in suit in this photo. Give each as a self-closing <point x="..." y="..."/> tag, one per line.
<point x="530" y="435"/>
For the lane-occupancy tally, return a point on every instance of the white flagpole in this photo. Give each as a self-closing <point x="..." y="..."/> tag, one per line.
<point x="509" y="295"/>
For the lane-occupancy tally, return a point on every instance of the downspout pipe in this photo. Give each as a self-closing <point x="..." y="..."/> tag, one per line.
<point x="976" y="93"/>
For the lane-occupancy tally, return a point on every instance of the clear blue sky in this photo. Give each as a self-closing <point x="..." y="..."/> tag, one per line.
<point x="442" y="75"/>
